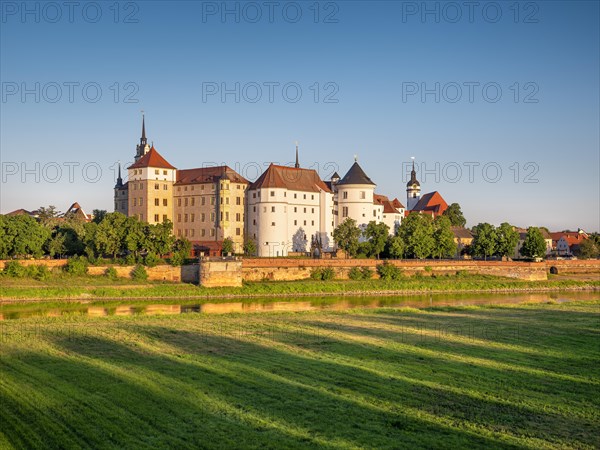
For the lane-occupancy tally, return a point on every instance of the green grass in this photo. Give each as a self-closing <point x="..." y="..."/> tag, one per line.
<point x="102" y="287"/>
<point x="525" y="376"/>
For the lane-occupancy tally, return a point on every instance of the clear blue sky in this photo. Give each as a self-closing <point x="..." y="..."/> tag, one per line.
<point x="374" y="54"/>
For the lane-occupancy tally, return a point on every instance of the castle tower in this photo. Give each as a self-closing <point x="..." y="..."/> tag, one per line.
<point x="121" y="194"/>
<point x="413" y="189"/>
<point x="142" y="148"/>
<point x="354" y="194"/>
<point x="150" y="186"/>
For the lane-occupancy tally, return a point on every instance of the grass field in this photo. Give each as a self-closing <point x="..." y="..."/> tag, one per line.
<point x="525" y="376"/>
<point x="66" y="286"/>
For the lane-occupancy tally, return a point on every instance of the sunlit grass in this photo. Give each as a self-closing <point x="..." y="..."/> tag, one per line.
<point x="505" y="376"/>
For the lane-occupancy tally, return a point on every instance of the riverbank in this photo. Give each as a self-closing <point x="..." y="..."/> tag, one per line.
<point x="454" y="377"/>
<point x="89" y="287"/>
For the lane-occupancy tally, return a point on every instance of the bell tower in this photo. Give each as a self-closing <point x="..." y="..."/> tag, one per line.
<point x="142" y="148"/>
<point x="413" y="189"/>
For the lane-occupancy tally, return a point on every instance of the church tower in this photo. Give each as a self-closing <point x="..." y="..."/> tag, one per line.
<point x="413" y="189"/>
<point x="142" y="148"/>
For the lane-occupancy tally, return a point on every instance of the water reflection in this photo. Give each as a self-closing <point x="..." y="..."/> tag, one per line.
<point x="23" y="310"/>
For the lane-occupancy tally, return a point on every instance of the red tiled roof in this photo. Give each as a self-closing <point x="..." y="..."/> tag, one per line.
<point x="151" y="159"/>
<point x="275" y="176"/>
<point x="388" y="207"/>
<point x="208" y="175"/>
<point x="397" y="204"/>
<point x="20" y="212"/>
<point x="433" y="203"/>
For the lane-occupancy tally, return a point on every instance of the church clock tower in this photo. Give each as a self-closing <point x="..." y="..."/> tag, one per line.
<point x="413" y="189"/>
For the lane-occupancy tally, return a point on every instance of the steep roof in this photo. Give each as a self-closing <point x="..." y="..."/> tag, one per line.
<point x="462" y="233"/>
<point x="209" y="175"/>
<point x="355" y="176"/>
<point x="75" y="210"/>
<point x="291" y="178"/>
<point x="432" y="202"/>
<point x="398" y="204"/>
<point x="151" y="159"/>
<point x="21" y="212"/>
<point x="388" y="207"/>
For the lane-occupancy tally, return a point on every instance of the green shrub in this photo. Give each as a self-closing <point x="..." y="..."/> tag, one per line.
<point x="367" y="273"/>
<point x="355" y="274"/>
<point x="388" y="271"/>
<point x="130" y="260"/>
<point x="177" y="259"/>
<point x="111" y="273"/>
<point x="428" y="269"/>
<point x="328" y="273"/>
<point x="139" y="273"/>
<point x="76" y="266"/>
<point x="15" y="269"/>
<point x="40" y="272"/>
<point x="151" y="260"/>
<point x="315" y="274"/>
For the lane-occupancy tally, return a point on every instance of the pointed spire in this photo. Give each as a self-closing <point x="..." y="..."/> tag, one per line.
<point x="297" y="165"/>
<point x="143" y="140"/>
<point x="119" y="178"/>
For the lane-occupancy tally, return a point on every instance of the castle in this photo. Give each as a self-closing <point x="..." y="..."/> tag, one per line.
<point x="287" y="210"/>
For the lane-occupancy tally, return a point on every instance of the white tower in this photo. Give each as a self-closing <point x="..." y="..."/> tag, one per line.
<point x="354" y="194"/>
<point x="413" y="189"/>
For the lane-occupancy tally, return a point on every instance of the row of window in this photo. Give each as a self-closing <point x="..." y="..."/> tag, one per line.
<point x="156" y="172"/>
<point x="224" y="216"/>
<point x="272" y="193"/>
<point x="312" y="210"/>
<point x="223" y="186"/>
<point x="191" y="232"/>
<point x="191" y="201"/>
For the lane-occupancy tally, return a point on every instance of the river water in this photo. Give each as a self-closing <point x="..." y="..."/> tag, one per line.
<point x="21" y="310"/>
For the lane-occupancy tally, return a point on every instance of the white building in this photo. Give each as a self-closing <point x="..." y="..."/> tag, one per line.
<point x="287" y="208"/>
<point x="355" y="198"/>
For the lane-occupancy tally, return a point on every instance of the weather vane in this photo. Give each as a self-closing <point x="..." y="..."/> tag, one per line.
<point x="355" y="158"/>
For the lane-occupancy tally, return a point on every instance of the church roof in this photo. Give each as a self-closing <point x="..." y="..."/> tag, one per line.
<point x="291" y="178"/>
<point x="397" y="204"/>
<point x="209" y="175"/>
<point x="432" y="202"/>
<point x="151" y="159"/>
<point x="356" y="175"/>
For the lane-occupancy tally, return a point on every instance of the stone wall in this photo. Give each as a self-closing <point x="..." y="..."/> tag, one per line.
<point x="220" y="273"/>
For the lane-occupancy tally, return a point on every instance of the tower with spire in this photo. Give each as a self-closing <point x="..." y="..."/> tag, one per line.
<point x="142" y="148"/>
<point x="413" y="189"/>
<point x="121" y="194"/>
<point x="297" y="165"/>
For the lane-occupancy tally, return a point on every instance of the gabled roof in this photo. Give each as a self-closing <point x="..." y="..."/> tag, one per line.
<point x="388" y="207"/>
<point x="151" y="159"/>
<point x="355" y="176"/>
<point x="75" y="210"/>
<point x="21" y="212"/>
<point x="291" y="178"/>
<point x="462" y="233"/>
<point x="398" y="204"/>
<point x="209" y="175"/>
<point x="432" y="202"/>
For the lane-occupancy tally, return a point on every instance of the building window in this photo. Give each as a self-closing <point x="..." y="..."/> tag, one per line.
<point x="227" y="201"/>
<point x="221" y="200"/>
<point x="156" y="218"/>
<point x="212" y="232"/>
<point x="164" y="202"/>
<point x="203" y="233"/>
<point x="238" y="231"/>
<point x="272" y="209"/>
<point x="304" y="210"/>
<point x="156" y="171"/>
<point x="186" y="232"/>
<point x="305" y="223"/>
<point x="238" y="200"/>
<point x="254" y="222"/>
<point x="304" y="196"/>
<point x="227" y="216"/>
<point x="192" y="217"/>
<point x="212" y="216"/>
<point x="178" y="217"/>
<point x="295" y="209"/>
<point x="192" y="232"/>
<point x="186" y="201"/>
<point x="201" y="187"/>
<point x="185" y="217"/>
<point x="312" y="223"/>
<point x="363" y="195"/>
<point x="156" y="202"/>
<point x="164" y="217"/>
<point x="164" y="187"/>
<point x="212" y="200"/>
<point x="178" y="232"/>
<point x="178" y="202"/>
<point x="272" y="224"/>
<point x="141" y="201"/>
<point x="313" y="210"/>
<point x="312" y="197"/>
<point x="238" y="217"/>
<point x="374" y="213"/>
<point x="254" y="209"/>
<point x="345" y="195"/>
<point x="164" y="172"/>
<point x="156" y="186"/>
<point x="202" y="217"/>
<point x="272" y="193"/>
<point x="295" y="195"/>
<point x="295" y="222"/>
<point x="344" y="211"/>
<point x="134" y="201"/>
<point x="254" y="195"/>
<point x="203" y="201"/>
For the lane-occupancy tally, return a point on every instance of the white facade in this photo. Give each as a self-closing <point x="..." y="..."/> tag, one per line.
<point x="356" y="202"/>
<point x="393" y="220"/>
<point x="282" y="220"/>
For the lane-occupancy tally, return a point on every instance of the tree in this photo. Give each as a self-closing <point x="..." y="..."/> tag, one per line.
<point x="416" y="231"/>
<point x="25" y="236"/>
<point x="534" y="245"/>
<point x="47" y="216"/>
<point x="346" y="236"/>
<point x="485" y="240"/>
<point x="56" y="245"/>
<point x="377" y="234"/>
<point x="506" y="239"/>
<point x="250" y="248"/>
<point x="160" y="237"/>
<point x="109" y="238"/>
<point x="443" y="238"/>
<point x="588" y="249"/>
<point x="181" y="250"/>
<point x="99" y="215"/>
<point x="454" y="213"/>
<point x="394" y="247"/>
<point x="6" y="239"/>
<point x="227" y="246"/>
